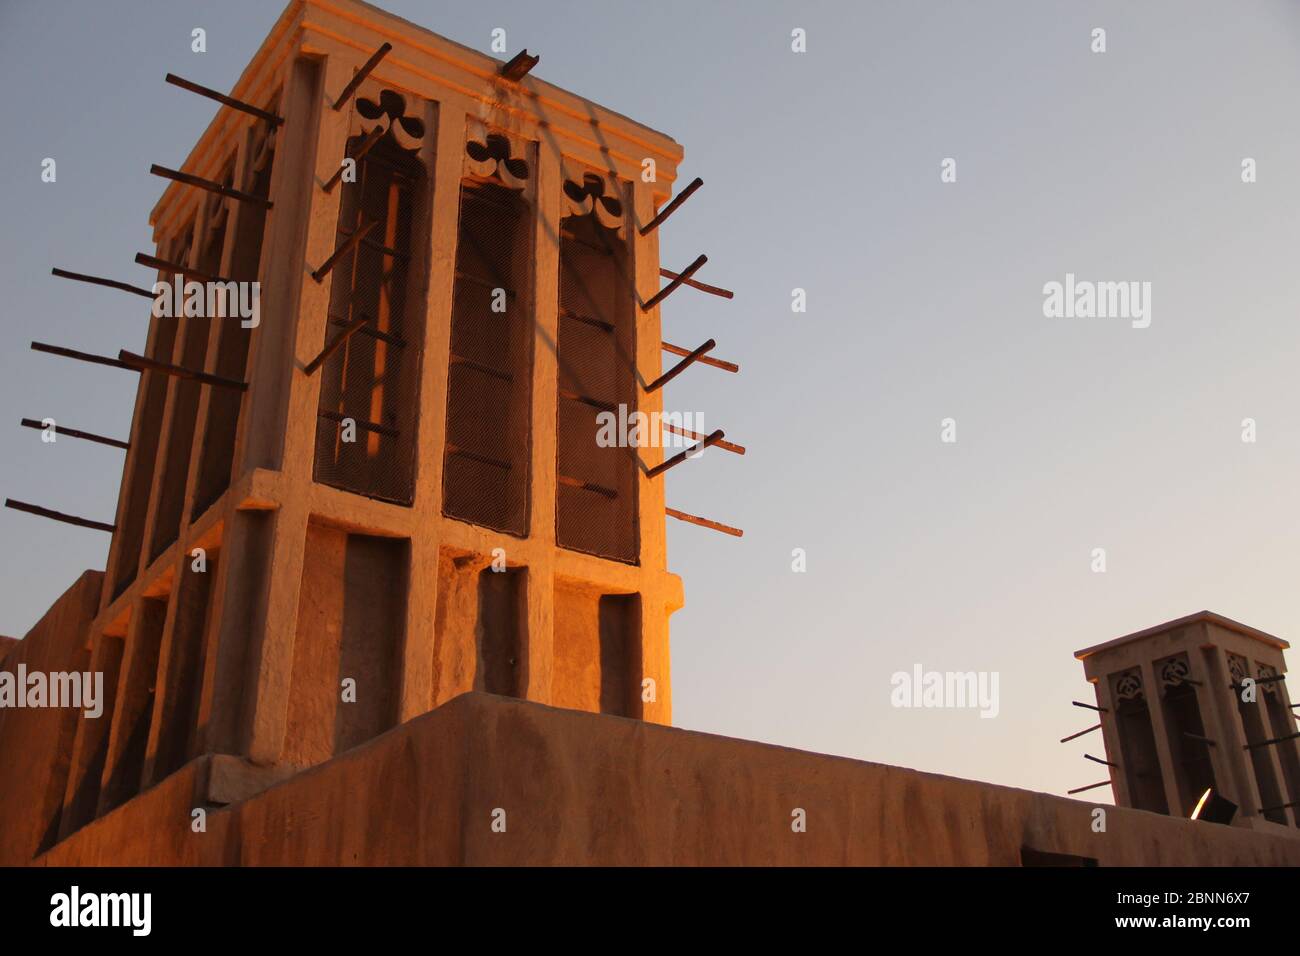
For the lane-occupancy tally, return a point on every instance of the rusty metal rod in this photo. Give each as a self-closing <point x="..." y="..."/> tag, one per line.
<point x="58" y="515"/>
<point x="1285" y="806"/>
<point x="96" y="280"/>
<point x="687" y="433"/>
<point x="1260" y="680"/>
<point x="671" y="287"/>
<point x="209" y="185"/>
<point x="73" y="433"/>
<point x="681" y="456"/>
<point x="518" y="66"/>
<point x="1091" y="786"/>
<point x="671" y="208"/>
<point x="681" y="366"/>
<point x="704" y="522"/>
<point x="702" y="286"/>
<point x="1269" y="743"/>
<point x="359" y="77"/>
<point x="587" y="486"/>
<point x="141" y="363"/>
<point x="81" y="356"/>
<point x="1066" y="740"/>
<point x="704" y="359"/>
<point x="373" y="137"/>
<point x="344" y="248"/>
<point x="166" y="265"/>
<point x="230" y="101"/>
<point x="479" y="457"/>
<point x="1106" y="763"/>
<point x="1100" y="710"/>
<point x="336" y="343"/>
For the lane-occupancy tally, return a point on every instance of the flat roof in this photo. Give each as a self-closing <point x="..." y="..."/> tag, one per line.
<point x="1210" y="616"/>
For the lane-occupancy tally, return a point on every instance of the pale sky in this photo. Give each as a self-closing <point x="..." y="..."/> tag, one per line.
<point x="822" y="172"/>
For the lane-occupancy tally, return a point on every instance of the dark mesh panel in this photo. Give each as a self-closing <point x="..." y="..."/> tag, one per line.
<point x="224" y="404"/>
<point x="596" y="497"/>
<point x="373" y="378"/>
<point x="130" y="535"/>
<point x="485" y="473"/>
<point x="170" y="499"/>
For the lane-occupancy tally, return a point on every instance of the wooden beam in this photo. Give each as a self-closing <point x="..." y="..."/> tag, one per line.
<point x="80" y="356"/>
<point x="681" y="366"/>
<point x="142" y="364"/>
<point x="209" y="185"/>
<point x="96" y="280"/>
<point x="73" y="433"/>
<point x="702" y="286"/>
<point x="671" y="287"/>
<point x="671" y="208"/>
<point x="518" y="66"/>
<point x="58" y="515"/>
<point x="336" y="343"/>
<point x="230" y="101"/>
<point x="681" y="456"/>
<point x="359" y="77"/>
<point x="704" y="522"/>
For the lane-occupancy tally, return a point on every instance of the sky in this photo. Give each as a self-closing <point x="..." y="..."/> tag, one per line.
<point x="924" y="301"/>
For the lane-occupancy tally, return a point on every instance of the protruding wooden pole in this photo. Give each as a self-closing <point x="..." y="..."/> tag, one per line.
<point x="702" y="286"/>
<point x="142" y="364"/>
<point x="73" y="433"/>
<point x="681" y="456"/>
<point x="165" y="265"/>
<point x="79" y="356"/>
<point x="58" y="515"/>
<point x="687" y="433"/>
<point x="1100" y="710"/>
<point x="1105" y="763"/>
<point x="518" y="66"/>
<point x="230" y="101"/>
<point x="1066" y="740"/>
<point x="351" y="242"/>
<point x="209" y="185"/>
<point x="374" y="136"/>
<point x="96" y="280"/>
<point x="671" y="287"/>
<point x="704" y="359"/>
<point x="672" y="206"/>
<point x="681" y="366"/>
<point x="336" y="343"/>
<point x="359" y="77"/>
<point x="1091" y="786"/>
<point x="704" y="522"/>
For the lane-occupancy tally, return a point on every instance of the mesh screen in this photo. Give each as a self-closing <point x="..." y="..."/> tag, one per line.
<point x="373" y="379"/>
<point x="596" y="497"/>
<point x="170" y="498"/>
<point x="486" y="465"/>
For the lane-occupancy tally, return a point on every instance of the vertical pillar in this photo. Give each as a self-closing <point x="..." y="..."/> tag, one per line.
<point x="1155" y="707"/>
<point x="316" y="151"/>
<point x="540" y="583"/>
<point x="655" y="663"/>
<point x="447" y="121"/>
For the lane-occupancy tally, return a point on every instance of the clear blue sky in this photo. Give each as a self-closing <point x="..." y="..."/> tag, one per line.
<point x="924" y="302"/>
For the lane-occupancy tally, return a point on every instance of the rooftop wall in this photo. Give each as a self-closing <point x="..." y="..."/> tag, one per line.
<point x="581" y="788"/>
